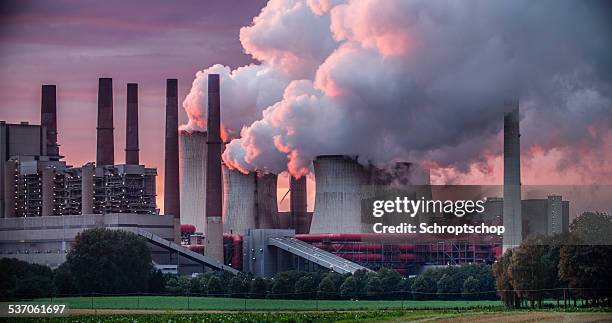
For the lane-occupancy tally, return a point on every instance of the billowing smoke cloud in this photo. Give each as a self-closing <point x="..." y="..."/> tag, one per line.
<point x="419" y="80"/>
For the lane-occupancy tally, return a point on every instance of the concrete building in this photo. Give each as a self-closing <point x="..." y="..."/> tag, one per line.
<point x="512" y="176"/>
<point x="193" y="178"/>
<point x="543" y="216"/>
<point x="46" y="240"/>
<point x="24" y="141"/>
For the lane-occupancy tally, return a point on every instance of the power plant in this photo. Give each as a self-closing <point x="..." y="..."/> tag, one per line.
<point x="219" y="218"/>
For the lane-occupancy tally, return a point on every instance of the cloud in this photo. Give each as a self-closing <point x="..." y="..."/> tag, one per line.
<point x="422" y="81"/>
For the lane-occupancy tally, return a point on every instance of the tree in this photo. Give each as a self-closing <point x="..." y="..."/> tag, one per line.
<point x="258" y="288"/>
<point x="424" y="287"/>
<point x="327" y="289"/>
<point x="109" y="261"/>
<point x="389" y="281"/>
<point x="374" y="288"/>
<point x="238" y="287"/>
<point x="157" y="281"/>
<point x="471" y="288"/>
<point x="349" y="288"/>
<point x="62" y="280"/>
<point x="503" y="281"/>
<point x="531" y="271"/>
<point x="19" y="279"/>
<point x="585" y="261"/>
<point x="282" y="287"/>
<point x="449" y="287"/>
<point x="214" y="286"/>
<point x="306" y="287"/>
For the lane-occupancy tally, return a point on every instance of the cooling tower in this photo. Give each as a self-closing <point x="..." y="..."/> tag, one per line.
<point x="298" y="204"/>
<point x="131" y="125"/>
<point x="512" y="216"/>
<point x="171" y="158"/>
<point x="47" y="207"/>
<point x="239" y="203"/>
<point x="339" y="181"/>
<point x="48" y="119"/>
<point x="267" y="205"/>
<point x="105" y="147"/>
<point x="214" y="193"/>
<point x="193" y="178"/>
<point x="87" y="188"/>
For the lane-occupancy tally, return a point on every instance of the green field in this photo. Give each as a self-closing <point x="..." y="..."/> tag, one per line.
<point x="242" y="304"/>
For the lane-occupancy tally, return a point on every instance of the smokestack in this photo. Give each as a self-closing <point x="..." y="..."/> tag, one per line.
<point x="171" y="166"/>
<point x="298" y="204"/>
<point x="131" y="125"/>
<point x="48" y="119"/>
<point x="512" y="216"/>
<point x="214" y="193"/>
<point x="105" y="142"/>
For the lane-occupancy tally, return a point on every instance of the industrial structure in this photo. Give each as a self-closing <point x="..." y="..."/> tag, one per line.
<point x="193" y="178"/>
<point x="214" y="191"/>
<point x="512" y="176"/>
<point x="221" y="219"/>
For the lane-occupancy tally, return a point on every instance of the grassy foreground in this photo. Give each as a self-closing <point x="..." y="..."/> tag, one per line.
<point x="449" y="316"/>
<point x="241" y="304"/>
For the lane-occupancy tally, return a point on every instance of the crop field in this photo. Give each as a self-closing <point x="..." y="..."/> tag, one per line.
<point x="243" y="304"/>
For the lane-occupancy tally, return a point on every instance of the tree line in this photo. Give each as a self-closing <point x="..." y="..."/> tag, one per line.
<point x="473" y="281"/>
<point x="570" y="268"/>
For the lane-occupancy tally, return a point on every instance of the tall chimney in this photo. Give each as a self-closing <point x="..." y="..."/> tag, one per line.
<point x="48" y="119"/>
<point x="298" y="204"/>
<point x="131" y="125"/>
<point x="105" y="142"/>
<point x="512" y="217"/>
<point x="171" y="166"/>
<point x="214" y="193"/>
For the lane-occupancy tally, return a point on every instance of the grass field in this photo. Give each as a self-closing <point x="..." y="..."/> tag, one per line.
<point x="442" y="315"/>
<point x="241" y="304"/>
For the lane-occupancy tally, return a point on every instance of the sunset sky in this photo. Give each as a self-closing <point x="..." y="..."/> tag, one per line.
<point x="389" y="81"/>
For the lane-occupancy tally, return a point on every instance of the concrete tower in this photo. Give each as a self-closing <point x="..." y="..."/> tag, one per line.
<point x="48" y="119"/>
<point x="512" y="176"/>
<point x="298" y="204"/>
<point x="171" y="158"/>
<point x="266" y="203"/>
<point x="339" y="181"/>
<point x="131" y="125"/>
<point x="193" y="178"/>
<point x="239" y="203"/>
<point x="105" y="142"/>
<point x="214" y="193"/>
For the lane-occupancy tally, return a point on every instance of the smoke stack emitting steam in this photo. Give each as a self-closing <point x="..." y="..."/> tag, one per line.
<point x="214" y="193"/>
<point x="131" y="126"/>
<point x="48" y="119"/>
<point x="171" y="158"/>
